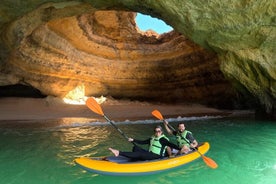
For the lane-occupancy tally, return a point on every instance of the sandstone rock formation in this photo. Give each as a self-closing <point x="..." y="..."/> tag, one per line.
<point x="65" y="47"/>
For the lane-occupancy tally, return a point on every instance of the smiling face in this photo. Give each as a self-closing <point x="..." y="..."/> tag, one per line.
<point x="181" y="127"/>
<point x="157" y="132"/>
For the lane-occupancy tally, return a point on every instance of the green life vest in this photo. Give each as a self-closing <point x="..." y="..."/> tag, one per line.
<point x="156" y="147"/>
<point x="181" y="138"/>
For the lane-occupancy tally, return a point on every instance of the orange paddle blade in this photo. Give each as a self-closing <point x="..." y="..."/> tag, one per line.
<point x="211" y="163"/>
<point x="157" y="114"/>
<point x="94" y="106"/>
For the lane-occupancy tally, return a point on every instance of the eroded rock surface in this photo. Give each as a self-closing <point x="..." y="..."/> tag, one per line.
<point x="59" y="47"/>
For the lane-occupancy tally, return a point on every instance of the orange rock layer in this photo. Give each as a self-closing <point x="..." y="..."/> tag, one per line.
<point x="104" y="53"/>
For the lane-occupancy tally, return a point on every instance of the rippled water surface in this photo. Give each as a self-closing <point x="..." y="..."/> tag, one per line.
<point x="43" y="152"/>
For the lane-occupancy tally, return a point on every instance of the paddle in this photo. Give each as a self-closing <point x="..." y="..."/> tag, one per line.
<point x="208" y="161"/>
<point x="92" y="104"/>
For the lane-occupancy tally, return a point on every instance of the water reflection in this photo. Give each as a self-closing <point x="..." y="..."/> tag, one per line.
<point x="81" y="141"/>
<point x="48" y="123"/>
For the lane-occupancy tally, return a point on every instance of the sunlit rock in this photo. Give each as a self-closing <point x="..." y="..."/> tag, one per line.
<point x="56" y="47"/>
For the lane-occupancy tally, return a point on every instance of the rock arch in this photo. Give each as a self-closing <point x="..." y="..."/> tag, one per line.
<point x="241" y="33"/>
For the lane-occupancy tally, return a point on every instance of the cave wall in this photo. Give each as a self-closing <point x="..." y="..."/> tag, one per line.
<point x="241" y="33"/>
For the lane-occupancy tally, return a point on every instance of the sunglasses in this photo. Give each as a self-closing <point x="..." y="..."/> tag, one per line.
<point x="157" y="131"/>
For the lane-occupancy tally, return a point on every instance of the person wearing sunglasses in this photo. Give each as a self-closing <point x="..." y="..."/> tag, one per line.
<point x="158" y="144"/>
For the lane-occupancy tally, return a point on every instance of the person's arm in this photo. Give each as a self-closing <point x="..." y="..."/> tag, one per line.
<point x="193" y="142"/>
<point x="167" y="127"/>
<point x="147" y="141"/>
<point x="165" y="142"/>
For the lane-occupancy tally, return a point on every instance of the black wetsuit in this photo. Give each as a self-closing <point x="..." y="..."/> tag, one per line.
<point x="141" y="154"/>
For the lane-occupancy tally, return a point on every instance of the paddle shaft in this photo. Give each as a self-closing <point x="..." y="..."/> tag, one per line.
<point x="118" y="129"/>
<point x="93" y="105"/>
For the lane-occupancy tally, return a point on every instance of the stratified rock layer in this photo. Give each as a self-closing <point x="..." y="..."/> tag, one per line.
<point x="102" y="52"/>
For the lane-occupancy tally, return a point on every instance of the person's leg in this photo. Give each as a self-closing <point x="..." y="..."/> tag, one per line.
<point x="135" y="156"/>
<point x="124" y="153"/>
<point x="149" y="156"/>
<point x="138" y="149"/>
<point x="139" y="155"/>
<point x="168" y="151"/>
<point x="134" y="149"/>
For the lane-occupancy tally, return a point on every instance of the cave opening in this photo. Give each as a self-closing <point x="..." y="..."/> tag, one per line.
<point x="146" y="22"/>
<point x="19" y="90"/>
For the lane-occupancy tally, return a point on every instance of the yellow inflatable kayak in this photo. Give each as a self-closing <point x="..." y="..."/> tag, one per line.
<point x="122" y="166"/>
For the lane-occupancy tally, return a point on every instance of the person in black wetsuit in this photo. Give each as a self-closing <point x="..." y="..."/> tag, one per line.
<point x="158" y="144"/>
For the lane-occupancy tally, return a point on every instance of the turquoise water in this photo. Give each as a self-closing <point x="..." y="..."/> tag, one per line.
<point x="43" y="152"/>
